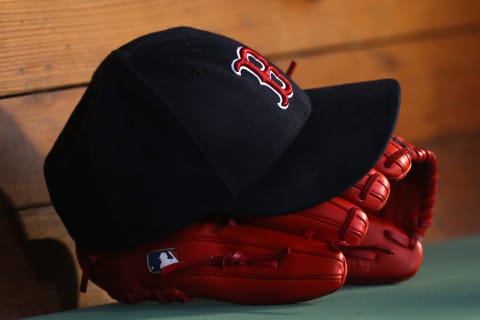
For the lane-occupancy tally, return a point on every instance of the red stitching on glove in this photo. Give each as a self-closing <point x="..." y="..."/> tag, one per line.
<point x="401" y="239"/>
<point x="364" y="252"/>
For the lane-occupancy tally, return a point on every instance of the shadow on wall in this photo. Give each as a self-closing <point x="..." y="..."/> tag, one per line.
<point x="36" y="276"/>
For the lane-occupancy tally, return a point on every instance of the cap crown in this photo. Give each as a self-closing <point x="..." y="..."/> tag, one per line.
<point x="172" y="124"/>
<point x="240" y="109"/>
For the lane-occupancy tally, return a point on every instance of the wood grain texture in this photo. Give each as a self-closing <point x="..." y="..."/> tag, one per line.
<point x="440" y="98"/>
<point x="431" y="46"/>
<point x="28" y="127"/>
<point x="439" y="80"/>
<point x="45" y="44"/>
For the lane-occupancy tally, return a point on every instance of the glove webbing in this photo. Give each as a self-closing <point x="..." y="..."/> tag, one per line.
<point x="427" y="160"/>
<point x="425" y="166"/>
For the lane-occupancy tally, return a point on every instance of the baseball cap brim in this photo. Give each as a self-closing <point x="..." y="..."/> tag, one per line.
<point x="346" y="133"/>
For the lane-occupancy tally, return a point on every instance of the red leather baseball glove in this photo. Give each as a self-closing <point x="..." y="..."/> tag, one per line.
<point x="392" y="250"/>
<point x="289" y="258"/>
<point x="284" y="259"/>
<point x="223" y="260"/>
<point x="398" y="195"/>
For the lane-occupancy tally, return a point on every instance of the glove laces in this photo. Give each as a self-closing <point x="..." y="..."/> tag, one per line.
<point x="231" y="259"/>
<point x="361" y="252"/>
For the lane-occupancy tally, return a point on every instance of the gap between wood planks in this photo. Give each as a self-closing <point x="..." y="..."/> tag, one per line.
<point x="331" y="49"/>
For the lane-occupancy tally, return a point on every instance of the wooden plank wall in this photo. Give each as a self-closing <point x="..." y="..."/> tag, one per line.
<point x="49" y="49"/>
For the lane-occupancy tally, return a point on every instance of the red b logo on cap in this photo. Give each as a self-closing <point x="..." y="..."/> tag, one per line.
<point x="266" y="74"/>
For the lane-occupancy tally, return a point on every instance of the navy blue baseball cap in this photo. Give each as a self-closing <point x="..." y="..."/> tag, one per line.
<point x="183" y="123"/>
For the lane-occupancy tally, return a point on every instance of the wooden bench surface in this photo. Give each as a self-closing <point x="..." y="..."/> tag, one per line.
<point x="48" y="51"/>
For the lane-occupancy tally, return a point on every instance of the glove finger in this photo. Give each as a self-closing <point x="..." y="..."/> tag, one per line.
<point x="392" y="251"/>
<point x="418" y="154"/>
<point x="371" y="192"/>
<point x="336" y="219"/>
<point x="387" y="255"/>
<point x="396" y="160"/>
<point x="235" y="263"/>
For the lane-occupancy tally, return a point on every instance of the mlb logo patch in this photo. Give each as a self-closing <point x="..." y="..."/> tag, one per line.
<point x="159" y="259"/>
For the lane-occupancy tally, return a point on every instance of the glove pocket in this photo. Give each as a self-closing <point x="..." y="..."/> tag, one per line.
<point x="252" y="265"/>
